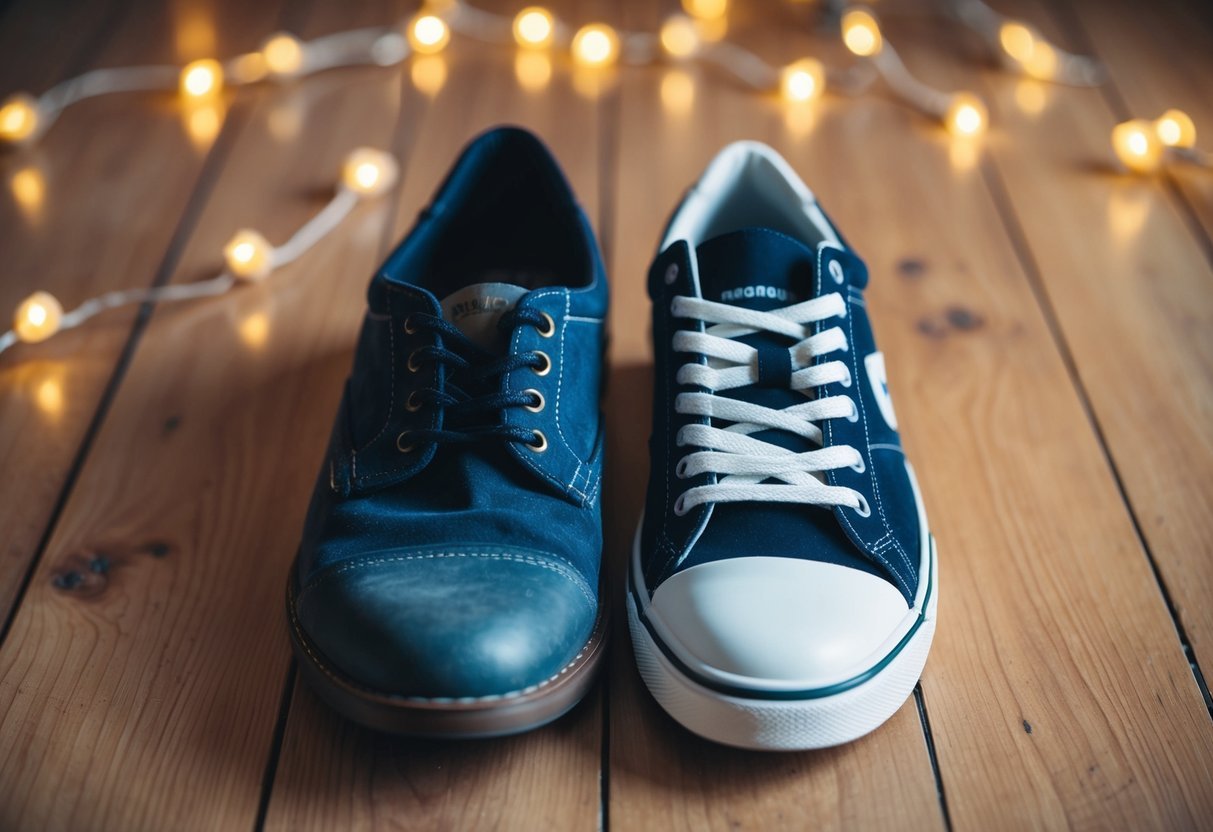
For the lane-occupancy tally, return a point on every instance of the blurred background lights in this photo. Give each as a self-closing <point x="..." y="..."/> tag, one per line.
<point x="37" y="317"/>
<point x="18" y="118"/>
<point x="1137" y="146"/>
<point x="596" y="44"/>
<point x="283" y="54"/>
<point x="966" y="115"/>
<point x="370" y="172"/>
<point x="249" y="255"/>
<point x="429" y="34"/>
<point x="861" y="32"/>
<point x="679" y="36"/>
<point x="534" y="27"/>
<point x="706" y="9"/>
<point x="1174" y="128"/>
<point x="804" y="80"/>
<point x="202" y="79"/>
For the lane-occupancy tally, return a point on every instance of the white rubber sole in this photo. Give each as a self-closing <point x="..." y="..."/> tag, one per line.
<point x="820" y="719"/>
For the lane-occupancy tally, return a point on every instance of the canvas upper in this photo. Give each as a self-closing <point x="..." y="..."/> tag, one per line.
<point x="453" y="542"/>
<point x="786" y="593"/>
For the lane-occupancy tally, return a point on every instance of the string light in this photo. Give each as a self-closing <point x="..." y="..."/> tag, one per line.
<point x="248" y="255"/>
<point x="202" y="79"/>
<point x="534" y="27"/>
<point x="37" y="317"/>
<point x="283" y="55"/>
<point x="804" y="80"/>
<point x="1174" y="128"/>
<point x="595" y="45"/>
<point x="679" y="36"/>
<point x="428" y="34"/>
<point x="370" y="172"/>
<point x="861" y="32"/>
<point x="966" y="115"/>
<point x="18" y="118"/>
<point x="1137" y="146"/>
<point x="1018" y="40"/>
<point x="1022" y="47"/>
<point x="706" y="9"/>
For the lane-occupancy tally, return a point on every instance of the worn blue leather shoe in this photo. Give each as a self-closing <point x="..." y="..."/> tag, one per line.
<point x="447" y="581"/>
<point x="782" y="592"/>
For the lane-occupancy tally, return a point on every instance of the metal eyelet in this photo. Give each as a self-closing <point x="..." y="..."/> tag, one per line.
<point x="413" y="404"/>
<point x="671" y="273"/>
<point x="413" y="364"/>
<point x="860" y="466"/>
<point x="680" y="505"/>
<point x="551" y="326"/>
<point x="836" y="271"/>
<point x="680" y="470"/>
<point x="409" y="329"/>
<point x="547" y="364"/>
<point x="863" y="510"/>
<point x="540" y="444"/>
<point x="401" y="446"/>
<point x="535" y="408"/>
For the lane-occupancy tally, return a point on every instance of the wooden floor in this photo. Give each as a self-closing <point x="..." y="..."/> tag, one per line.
<point x="1048" y="324"/>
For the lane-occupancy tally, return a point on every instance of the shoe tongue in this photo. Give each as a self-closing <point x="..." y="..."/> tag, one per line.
<point x="755" y="268"/>
<point x="476" y="309"/>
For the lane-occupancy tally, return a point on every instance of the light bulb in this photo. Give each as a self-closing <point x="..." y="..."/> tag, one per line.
<point x="1042" y="63"/>
<point x="1018" y="40"/>
<point x="1174" y="128"/>
<point x="966" y="115"/>
<point x="679" y="36"/>
<point x="861" y="32"/>
<point x="370" y="172"/>
<point x="202" y="79"/>
<point x="38" y="317"/>
<point x="706" y="9"/>
<point x="804" y="80"/>
<point x="534" y="27"/>
<point x="249" y="256"/>
<point x="1137" y="146"/>
<point x="596" y="44"/>
<point x="18" y="118"/>
<point x="283" y="54"/>
<point x="429" y="34"/>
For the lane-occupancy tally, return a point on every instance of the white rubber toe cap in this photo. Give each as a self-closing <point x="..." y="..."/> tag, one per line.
<point x="779" y="623"/>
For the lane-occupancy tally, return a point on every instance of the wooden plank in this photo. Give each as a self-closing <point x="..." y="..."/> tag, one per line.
<point x="1058" y="692"/>
<point x="332" y="774"/>
<point x="144" y="692"/>
<point x="92" y="208"/>
<point x="661" y="776"/>
<point x="1131" y="288"/>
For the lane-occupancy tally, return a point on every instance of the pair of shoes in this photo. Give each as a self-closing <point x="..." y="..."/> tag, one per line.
<point x="782" y="588"/>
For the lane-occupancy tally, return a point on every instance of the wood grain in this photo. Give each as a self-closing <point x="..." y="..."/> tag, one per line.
<point x="140" y="683"/>
<point x="333" y="775"/>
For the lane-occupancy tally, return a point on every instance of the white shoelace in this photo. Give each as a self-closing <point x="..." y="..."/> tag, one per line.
<point x="740" y="462"/>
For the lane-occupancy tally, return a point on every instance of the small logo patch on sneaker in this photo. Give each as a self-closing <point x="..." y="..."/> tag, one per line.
<point x="750" y="292"/>
<point x="880" y="387"/>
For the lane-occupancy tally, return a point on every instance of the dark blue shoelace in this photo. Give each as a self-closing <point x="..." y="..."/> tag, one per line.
<point x="470" y="412"/>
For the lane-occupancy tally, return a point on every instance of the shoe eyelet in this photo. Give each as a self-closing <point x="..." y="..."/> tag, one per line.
<point x="413" y="364"/>
<point x="540" y="444"/>
<point x="680" y="470"/>
<point x="835" y="269"/>
<point x="413" y="404"/>
<point x="401" y="445"/>
<point x="854" y="417"/>
<point x="671" y="273"/>
<point x="863" y="509"/>
<point x="409" y="329"/>
<point x="550" y="326"/>
<point x="547" y="364"/>
<point x="860" y="466"/>
<point x="680" y="505"/>
<point x="535" y="408"/>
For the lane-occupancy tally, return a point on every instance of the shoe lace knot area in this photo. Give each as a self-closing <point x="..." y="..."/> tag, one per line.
<point x="744" y="468"/>
<point x="471" y="401"/>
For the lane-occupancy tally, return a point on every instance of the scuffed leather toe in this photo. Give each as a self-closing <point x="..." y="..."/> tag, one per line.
<point x="448" y="624"/>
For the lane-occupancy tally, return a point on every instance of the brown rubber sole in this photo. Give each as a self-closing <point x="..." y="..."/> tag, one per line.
<point x="448" y="718"/>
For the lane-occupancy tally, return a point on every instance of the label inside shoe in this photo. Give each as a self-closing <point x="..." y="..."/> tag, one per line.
<point x="476" y="309"/>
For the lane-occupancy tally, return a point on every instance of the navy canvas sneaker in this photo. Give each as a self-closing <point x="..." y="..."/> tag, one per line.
<point x="447" y="581"/>
<point x="782" y="590"/>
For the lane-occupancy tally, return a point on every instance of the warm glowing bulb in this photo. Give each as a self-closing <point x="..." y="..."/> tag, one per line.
<point x="1043" y="62"/>
<point x="1174" y="128"/>
<point x="679" y="36"/>
<point x="202" y="79"/>
<point x="804" y="80"/>
<point x="1018" y="40"/>
<point x="370" y="172"/>
<point x="861" y="32"/>
<point x="706" y="9"/>
<point x="18" y="118"/>
<point x="38" y="317"/>
<point x="1137" y="146"/>
<point x="966" y="115"/>
<point x="429" y="34"/>
<point x="534" y="27"/>
<point x="283" y="54"/>
<point x="249" y="256"/>
<point x="595" y="45"/>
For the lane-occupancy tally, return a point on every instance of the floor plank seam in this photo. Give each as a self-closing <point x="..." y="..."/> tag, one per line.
<point x="271" y="762"/>
<point x="203" y="186"/>
<point x="1019" y="243"/>
<point x="920" y="702"/>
